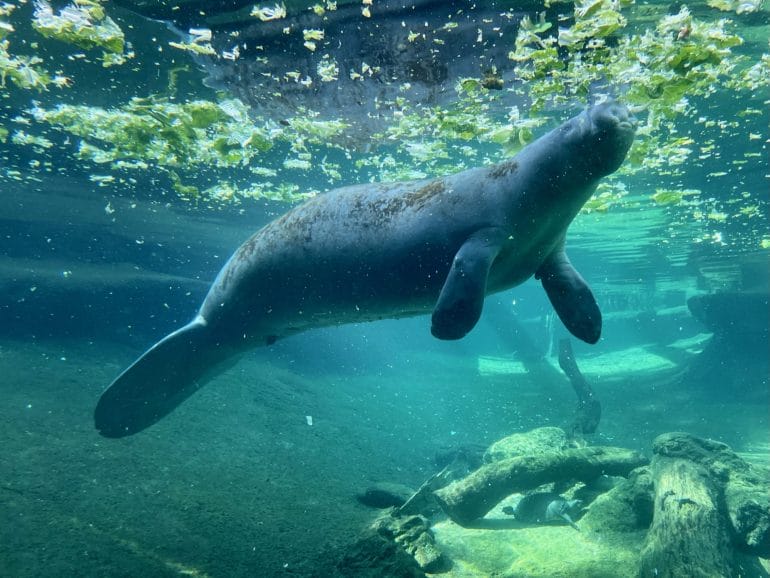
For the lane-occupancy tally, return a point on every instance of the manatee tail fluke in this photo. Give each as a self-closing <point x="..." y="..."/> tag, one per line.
<point x="156" y="383"/>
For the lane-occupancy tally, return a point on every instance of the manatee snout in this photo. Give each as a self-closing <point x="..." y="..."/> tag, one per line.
<point x="614" y="116"/>
<point x="615" y="128"/>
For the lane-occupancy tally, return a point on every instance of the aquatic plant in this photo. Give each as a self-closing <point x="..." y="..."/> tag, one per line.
<point x="666" y="67"/>
<point x="267" y="13"/>
<point x="85" y="24"/>
<point x="24" y="71"/>
<point x="175" y="137"/>
<point x="672" y="197"/>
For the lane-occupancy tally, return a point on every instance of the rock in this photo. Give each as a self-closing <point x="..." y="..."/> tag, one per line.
<point x="385" y="495"/>
<point x="506" y="549"/>
<point x="395" y="545"/>
<point x="627" y="507"/>
<point x="747" y="500"/>
<point x="375" y="555"/>
<point x="426" y="553"/>
<point x="533" y="442"/>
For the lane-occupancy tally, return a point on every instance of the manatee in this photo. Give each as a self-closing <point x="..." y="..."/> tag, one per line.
<point x="390" y="250"/>
<point x="544" y="508"/>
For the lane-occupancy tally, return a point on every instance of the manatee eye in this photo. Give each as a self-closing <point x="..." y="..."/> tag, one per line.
<point x="569" y="127"/>
<point x="574" y="129"/>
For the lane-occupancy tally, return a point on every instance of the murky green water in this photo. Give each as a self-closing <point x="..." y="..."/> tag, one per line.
<point x="136" y="157"/>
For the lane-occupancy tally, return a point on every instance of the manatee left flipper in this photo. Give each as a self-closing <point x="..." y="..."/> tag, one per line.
<point x="570" y="296"/>
<point x="462" y="297"/>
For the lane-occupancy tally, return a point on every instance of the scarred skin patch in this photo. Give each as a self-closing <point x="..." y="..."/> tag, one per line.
<point x="422" y="195"/>
<point x="504" y="169"/>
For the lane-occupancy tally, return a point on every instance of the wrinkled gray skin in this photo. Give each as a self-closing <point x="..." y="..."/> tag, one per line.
<point x="379" y="251"/>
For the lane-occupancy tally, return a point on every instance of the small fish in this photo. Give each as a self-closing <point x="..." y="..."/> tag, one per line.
<point x="544" y="508"/>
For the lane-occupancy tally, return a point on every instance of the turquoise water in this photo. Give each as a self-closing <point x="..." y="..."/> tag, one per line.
<point x="256" y="474"/>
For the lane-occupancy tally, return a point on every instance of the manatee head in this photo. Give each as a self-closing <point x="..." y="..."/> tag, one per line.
<point x="600" y="137"/>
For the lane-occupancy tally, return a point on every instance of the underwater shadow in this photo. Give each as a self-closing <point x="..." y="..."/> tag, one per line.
<point x="500" y="524"/>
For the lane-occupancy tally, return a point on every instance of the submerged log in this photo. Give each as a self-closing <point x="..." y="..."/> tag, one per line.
<point x="541" y="440"/>
<point x="688" y="536"/>
<point x="472" y="497"/>
<point x="696" y="530"/>
<point x="462" y="461"/>
<point x="746" y="498"/>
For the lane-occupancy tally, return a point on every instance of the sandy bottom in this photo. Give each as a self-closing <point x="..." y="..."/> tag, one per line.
<point x="236" y="483"/>
<point x="536" y="551"/>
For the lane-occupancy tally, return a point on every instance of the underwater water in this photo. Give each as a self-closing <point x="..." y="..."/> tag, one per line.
<point x="137" y="156"/>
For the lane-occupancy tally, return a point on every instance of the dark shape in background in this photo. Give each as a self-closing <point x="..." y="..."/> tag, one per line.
<point x="405" y="55"/>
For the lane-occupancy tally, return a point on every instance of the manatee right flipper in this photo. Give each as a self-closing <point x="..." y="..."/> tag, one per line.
<point x="167" y="374"/>
<point x="462" y="297"/>
<point x="570" y="296"/>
